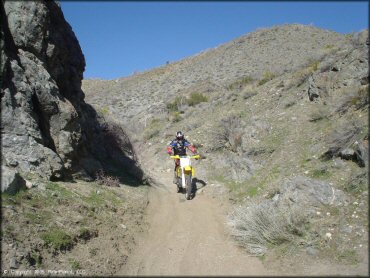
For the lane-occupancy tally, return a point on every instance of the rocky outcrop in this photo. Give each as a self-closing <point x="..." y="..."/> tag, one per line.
<point x="47" y="128"/>
<point x="309" y="193"/>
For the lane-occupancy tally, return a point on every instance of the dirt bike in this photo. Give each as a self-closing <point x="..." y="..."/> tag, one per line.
<point x="185" y="174"/>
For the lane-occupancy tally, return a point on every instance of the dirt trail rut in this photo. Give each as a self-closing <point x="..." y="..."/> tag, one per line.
<point x="187" y="238"/>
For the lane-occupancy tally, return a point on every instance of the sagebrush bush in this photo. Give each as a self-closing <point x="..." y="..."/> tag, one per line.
<point x="196" y="98"/>
<point x="176" y="117"/>
<point x="319" y="114"/>
<point x="357" y="97"/>
<point x="267" y="76"/>
<point x="176" y="104"/>
<point x="299" y="77"/>
<point x="153" y="129"/>
<point x="258" y="226"/>
<point x="239" y="83"/>
<point x="229" y="134"/>
<point x="314" y="65"/>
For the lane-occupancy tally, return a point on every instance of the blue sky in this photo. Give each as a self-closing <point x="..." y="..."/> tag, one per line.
<point x="119" y="38"/>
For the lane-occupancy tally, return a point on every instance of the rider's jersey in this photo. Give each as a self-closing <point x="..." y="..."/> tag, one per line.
<point x="179" y="146"/>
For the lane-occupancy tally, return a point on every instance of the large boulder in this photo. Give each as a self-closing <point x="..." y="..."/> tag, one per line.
<point x="309" y="193"/>
<point x="42" y="102"/>
<point x="47" y="128"/>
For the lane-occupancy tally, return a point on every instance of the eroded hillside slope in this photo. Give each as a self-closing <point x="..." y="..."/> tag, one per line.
<point x="281" y="115"/>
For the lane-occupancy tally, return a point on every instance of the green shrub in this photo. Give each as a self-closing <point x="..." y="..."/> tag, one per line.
<point x="174" y="106"/>
<point x="176" y="117"/>
<point x="267" y="76"/>
<point x="318" y="115"/>
<point x="75" y="265"/>
<point x="94" y="199"/>
<point x="37" y="258"/>
<point x="105" y="110"/>
<point x="314" y="65"/>
<point x="347" y="256"/>
<point x="58" y="239"/>
<point x="361" y="99"/>
<point x="252" y="191"/>
<point x="153" y="129"/>
<point x="196" y="98"/>
<point x="320" y="173"/>
<point x="85" y="234"/>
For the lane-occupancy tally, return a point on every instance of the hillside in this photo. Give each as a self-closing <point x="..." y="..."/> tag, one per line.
<point x="281" y="117"/>
<point x="71" y="193"/>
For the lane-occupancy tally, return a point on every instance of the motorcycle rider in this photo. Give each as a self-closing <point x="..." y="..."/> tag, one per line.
<point x="178" y="147"/>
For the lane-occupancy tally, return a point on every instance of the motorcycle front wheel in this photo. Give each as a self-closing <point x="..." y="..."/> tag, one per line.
<point x="188" y="188"/>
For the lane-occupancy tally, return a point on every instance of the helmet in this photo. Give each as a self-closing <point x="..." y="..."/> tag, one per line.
<point x="179" y="135"/>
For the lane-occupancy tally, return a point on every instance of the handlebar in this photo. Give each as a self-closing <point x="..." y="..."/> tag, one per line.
<point x="197" y="156"/>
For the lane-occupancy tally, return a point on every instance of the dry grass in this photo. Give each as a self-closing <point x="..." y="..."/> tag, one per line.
<point x="356" y="97"/>
<point x="318" y="114"/>
<point x="229" y="135"/>
<point x="104" y="179"/>
<point x="260" y="226"/>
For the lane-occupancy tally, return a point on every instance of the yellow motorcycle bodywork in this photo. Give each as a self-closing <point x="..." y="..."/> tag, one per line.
<point x="187" y="169"/>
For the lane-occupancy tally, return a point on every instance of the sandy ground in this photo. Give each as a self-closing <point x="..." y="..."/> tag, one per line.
<point x="187" y="237"/>
<point x="190" y="237"/>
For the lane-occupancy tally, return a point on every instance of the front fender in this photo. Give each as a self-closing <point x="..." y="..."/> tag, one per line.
<point x="189" y="170"/>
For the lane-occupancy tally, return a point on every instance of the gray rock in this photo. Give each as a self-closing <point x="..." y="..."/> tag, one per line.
<point x="362" y="154"/>
<point x="313" y="90"/>
<point x="346" y="230"/>
<point x="11" y="181"/>
<point x="236" y="167"/>
<point x="276" y="197"/>
<point x="348" y="154"/>
<point x="47" y="128"/>
<point x="311" y="251"/>
<point x="14" y="263"/>
<point x="41" y="93"/>
<point x="339" y="163"/>
<point x="310" y="193"/>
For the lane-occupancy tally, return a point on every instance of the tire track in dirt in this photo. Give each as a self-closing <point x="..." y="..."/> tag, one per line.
<point x="187" y="238"/>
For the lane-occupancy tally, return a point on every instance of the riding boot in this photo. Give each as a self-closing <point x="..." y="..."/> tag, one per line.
<point x="175" y="178"/>
<point x="175" y="175"/>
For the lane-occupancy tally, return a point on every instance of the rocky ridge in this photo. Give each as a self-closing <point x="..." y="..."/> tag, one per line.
<point x="48" y="130"/>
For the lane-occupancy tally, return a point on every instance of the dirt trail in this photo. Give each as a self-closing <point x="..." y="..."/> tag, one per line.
<point x="187" y="238"/>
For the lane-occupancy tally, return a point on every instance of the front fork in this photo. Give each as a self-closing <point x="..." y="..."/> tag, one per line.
<point x="180" y="173"/>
